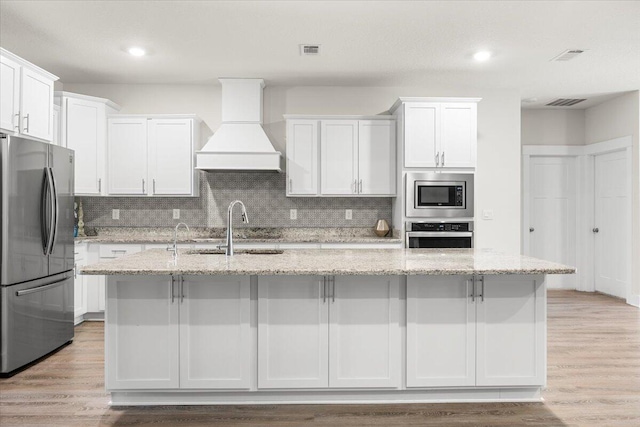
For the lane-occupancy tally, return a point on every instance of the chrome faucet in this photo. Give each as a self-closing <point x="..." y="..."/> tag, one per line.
<point x="229" y="246"/>
<point x="174" y="248"/>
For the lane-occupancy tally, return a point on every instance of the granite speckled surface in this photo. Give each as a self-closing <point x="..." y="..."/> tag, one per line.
<point x="243" y="235"/>
<point x="331" y="262"/>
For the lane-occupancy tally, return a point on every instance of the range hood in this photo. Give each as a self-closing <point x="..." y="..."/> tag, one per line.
<point x="240" y="144"/>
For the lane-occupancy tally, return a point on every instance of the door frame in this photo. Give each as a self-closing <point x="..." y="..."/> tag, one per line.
<point x="585" y="201"/>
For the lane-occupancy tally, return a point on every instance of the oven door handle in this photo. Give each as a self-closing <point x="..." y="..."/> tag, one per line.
<point x="439" y="234"/>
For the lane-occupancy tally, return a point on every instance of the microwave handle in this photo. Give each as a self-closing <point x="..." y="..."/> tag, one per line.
<point x="439" y="234"/>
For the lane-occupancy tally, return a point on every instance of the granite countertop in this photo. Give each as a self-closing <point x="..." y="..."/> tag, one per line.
<point x="241" y="235"/>
<point x="330" y="262"/>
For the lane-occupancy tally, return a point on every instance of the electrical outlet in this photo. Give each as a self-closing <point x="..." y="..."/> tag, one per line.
<point x="293" y="213"/>
<point x="115" y="213"/>
<point x="487" y="214"/>
<point x="348" y="214"/>
<point x="176" y="214"/>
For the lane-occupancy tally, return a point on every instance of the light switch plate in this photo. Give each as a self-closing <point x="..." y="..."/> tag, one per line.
<point x="176" y="214"/>
<point x="487" y="214"/>
<point x="293" y="213"/>
<point x="115" y="213"/>
<point x="348" y="214"/>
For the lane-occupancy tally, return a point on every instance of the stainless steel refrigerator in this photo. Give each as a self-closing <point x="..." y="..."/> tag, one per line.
<point x="36" y="250"/>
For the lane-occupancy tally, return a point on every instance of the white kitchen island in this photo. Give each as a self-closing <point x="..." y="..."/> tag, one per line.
<point x="325" y="326"/>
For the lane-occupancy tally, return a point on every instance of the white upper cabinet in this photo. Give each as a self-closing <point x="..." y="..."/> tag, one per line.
<point x="376" y="157"/>
<point x="339" y="151"/>
<point x="26" y="105"/>
<point x="343" y="156"/>
<point x="127" y="158"/>
<point x="152" y="156"/>
<point x="439" y="132"/>
<point x="302" y="157"/>
<point x="83" y="128"/>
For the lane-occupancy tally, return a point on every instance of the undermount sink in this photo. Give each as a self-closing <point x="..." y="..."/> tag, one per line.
<point x="237" y="252"/>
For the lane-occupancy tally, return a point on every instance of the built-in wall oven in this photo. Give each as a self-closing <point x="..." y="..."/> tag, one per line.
<point x="439" y="195"/>
<point x="439" y="234"/>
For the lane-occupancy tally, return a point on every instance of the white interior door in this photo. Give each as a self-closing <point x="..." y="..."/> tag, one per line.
<point x="552" y="216"/>
<point x="611" y="222"/>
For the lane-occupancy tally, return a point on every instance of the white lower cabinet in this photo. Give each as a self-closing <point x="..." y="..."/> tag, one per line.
<point x="318" y="332"/>
<point x="79" y="285"/>
<point x="169" y="333"/>
<point x="487" y="331"/>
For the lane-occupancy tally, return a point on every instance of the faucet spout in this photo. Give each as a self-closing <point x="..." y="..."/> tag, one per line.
<point x="174" y="248"/>
<point x="245" y="218"/>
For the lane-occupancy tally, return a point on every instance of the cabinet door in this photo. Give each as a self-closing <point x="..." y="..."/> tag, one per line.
<point x="292" y="332"/>
<point x="36" y="105"/>
<point x="171" y="156"/>
<point x="10" y="99"/>
<point x="215" y="334"/>
<point x="55" y="137"/>
<point x="364" y="333"/>
<point x="339" y="151"/>
<point x="421" y="134"/>
<point x="511" y="334"/>
<point x="441" y="332"/>
<point x="79" y="289"/>
<point x="302" y="157"/>
<point x="127" y="148"/>
<point x="141" y="333"/>
<point x="459" y="135"/>
<point x="85" y="132"/>
<point x="376" y="157"/>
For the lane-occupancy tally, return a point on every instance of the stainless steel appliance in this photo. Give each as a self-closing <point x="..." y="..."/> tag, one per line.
<point x="36" y="250"/>
<point x="442" y="234"/>
<point x="439" y="195"/>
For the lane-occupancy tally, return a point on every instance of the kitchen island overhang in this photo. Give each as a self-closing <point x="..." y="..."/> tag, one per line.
<point x="325" y="326"/>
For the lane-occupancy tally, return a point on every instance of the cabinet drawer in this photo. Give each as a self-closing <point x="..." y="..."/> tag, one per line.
<point x="116" y="251"/>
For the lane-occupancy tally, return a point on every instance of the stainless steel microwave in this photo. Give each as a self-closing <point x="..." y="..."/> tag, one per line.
<point x="439" y="195"/>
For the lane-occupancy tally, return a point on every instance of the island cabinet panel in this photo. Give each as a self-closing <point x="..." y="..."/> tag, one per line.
<point x="364" y="332"/>
<point x="441" y="331"/>
<point x="292" y="332"/>
<point x="141" y="333"/>
<point x="480" y="331"/>
<point x="511" y="331"/>
<point x="215" y="334"/>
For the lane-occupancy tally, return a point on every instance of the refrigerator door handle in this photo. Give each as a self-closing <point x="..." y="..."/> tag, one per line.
<point x="43" y="213"/>
<point x="54" y="210"/>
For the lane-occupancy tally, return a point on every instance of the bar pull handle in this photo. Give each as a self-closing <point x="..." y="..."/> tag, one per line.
<point x="181" y="289"/>
<point x="324" y="289"/>
<point x="26" y="119"/>
<point x="481" y="288"/>
<point x="442" y="158"/>
<point x="290" y="185"/>
<point x="41" y="288"/>
<point x="473" y="288"/>
<point x="16" y="121"/>
<point x="173" y="294"/>
<point x="99" y="185"/>
<point x="333" y="290"/>
<point x="154" y="185"/>
<point x="143" y="185"/>
<point x="360" y="189"/>
<point x="437" y="159"/>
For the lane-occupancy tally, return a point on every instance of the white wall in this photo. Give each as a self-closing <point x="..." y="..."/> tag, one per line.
<point x="498" y="171"/>
<point x="613" y="119"/>
<point x="553" y="127"/>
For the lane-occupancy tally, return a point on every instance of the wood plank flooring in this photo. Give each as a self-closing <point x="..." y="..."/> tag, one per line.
<point x="594" y="380"/>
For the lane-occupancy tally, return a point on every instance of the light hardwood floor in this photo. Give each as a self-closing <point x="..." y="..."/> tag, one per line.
<point x="594" y="380"/>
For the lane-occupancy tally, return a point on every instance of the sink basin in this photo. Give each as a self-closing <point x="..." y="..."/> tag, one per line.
<point x="236" y="252"/>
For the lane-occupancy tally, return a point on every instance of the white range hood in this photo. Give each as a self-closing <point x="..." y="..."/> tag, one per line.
<point x="240" y="144"/>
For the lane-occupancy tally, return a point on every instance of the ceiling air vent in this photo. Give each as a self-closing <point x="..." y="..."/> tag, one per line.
<point x="568" y="55"/>
<point x="564" y="102"/>
<point x="309" y="49"/>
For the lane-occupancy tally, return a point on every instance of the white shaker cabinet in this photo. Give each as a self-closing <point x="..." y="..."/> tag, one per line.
<point x="26" y="105"/>
<point x="152" y="155"/>
<point x="79" y="286"/>
<point x="438" y="132"/>
<point x="84" y="129"/>
<point x="327" y="331"/>
<point x="376" y="157"/>
<point x="127" y="158"/>
<point x="166" y="332"/>
<point x="339" y="154"/>
<point x="302" y="157"/>
<point x="487" y="331"/>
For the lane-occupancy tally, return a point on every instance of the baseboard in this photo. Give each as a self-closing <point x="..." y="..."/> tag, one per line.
<point x="634" y="300"/>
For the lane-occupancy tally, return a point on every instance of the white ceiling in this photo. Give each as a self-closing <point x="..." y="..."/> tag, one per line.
<point x="364" y="43"/>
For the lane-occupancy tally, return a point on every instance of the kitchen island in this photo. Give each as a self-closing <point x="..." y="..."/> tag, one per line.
<point x="325" y="326"/>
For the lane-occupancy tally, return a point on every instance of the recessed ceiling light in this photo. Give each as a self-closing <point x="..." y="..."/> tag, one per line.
<point x="137" y="51"/>
<point x="483" y="55"/>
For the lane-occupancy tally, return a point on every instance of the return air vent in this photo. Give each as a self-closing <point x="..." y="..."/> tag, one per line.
<point x="568" y="55"/>
<point x="309" y="49"/>
<point x="564" y="102"/>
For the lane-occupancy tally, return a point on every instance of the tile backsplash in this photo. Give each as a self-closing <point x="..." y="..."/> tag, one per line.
<point x="263" y="193"/>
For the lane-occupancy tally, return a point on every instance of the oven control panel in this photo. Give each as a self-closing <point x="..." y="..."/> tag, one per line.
<point x="440" y="226"/>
